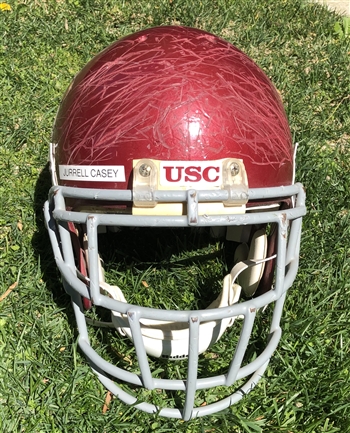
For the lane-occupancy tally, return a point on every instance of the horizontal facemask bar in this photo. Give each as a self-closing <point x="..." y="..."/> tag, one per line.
<point x="173" y="196"/>
<point x="191" y="197"/>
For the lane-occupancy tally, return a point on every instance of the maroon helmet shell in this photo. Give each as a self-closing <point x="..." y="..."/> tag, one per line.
<point x="178" y="94"/>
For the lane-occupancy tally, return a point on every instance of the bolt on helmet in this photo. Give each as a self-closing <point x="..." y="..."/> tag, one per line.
<point x="175" y="129"/>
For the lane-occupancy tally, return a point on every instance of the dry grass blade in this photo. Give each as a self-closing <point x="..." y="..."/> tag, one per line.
<point x="8" y="291"/>
<point x="107" y="402"/>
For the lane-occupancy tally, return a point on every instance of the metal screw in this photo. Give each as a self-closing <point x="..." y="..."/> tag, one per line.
<point x="234" y="168"/>
<point x="145" y="170"/>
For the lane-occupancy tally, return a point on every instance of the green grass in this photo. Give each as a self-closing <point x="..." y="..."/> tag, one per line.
<point x="45" y="382"/>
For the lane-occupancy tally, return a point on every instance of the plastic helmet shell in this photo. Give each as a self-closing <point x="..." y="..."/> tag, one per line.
<point x="173" y="93"/>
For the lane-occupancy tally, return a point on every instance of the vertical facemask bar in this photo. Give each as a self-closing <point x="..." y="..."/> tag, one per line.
<point x="91" y="231"/>
<point x="292" y="256"/>
<point x="66" y="244"/>
<point x="80" y="317"/>
<point x="291" y="264"/>
<point x="281" y="270"/>
<point x="277" y="314"/>
<point x="282" y="235"/>
<point x="241" y="347"/>
<point x="134" y="323"/>
<point x="192" y="369"/>
<point x="294" y="241"/>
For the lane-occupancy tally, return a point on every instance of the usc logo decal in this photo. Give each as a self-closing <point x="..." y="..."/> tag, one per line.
<point x="186" y="173"/>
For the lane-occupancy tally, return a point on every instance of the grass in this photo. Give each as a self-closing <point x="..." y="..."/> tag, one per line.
<point x="45" y="382"/>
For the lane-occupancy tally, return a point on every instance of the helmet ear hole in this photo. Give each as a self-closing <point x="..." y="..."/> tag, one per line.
<point x="251" y="277"/>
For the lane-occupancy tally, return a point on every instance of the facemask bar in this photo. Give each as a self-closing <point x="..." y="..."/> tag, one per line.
<point x="289" y="226"/>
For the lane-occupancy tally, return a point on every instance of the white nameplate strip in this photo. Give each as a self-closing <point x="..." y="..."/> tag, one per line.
<point x="92" y="173"/>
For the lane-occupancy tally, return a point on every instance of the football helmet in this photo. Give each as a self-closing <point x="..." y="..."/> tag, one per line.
<point x="173" y="127"/>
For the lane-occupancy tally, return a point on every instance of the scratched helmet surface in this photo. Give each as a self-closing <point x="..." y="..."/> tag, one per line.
<point x="173" y="127"/>
<point x="171" y="93"/>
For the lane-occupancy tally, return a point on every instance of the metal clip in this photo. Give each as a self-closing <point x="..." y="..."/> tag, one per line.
<point x="145" y="181"/>
<point x="235" y="182"/>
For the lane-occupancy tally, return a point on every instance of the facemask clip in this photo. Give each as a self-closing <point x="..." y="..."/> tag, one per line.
<point x="145" y="182"/>
<point x="235" y="182"/>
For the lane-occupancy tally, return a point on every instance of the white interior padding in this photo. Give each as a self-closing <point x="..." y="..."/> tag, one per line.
<point x="171" y="339"/>
<point x="250" y="278"/>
